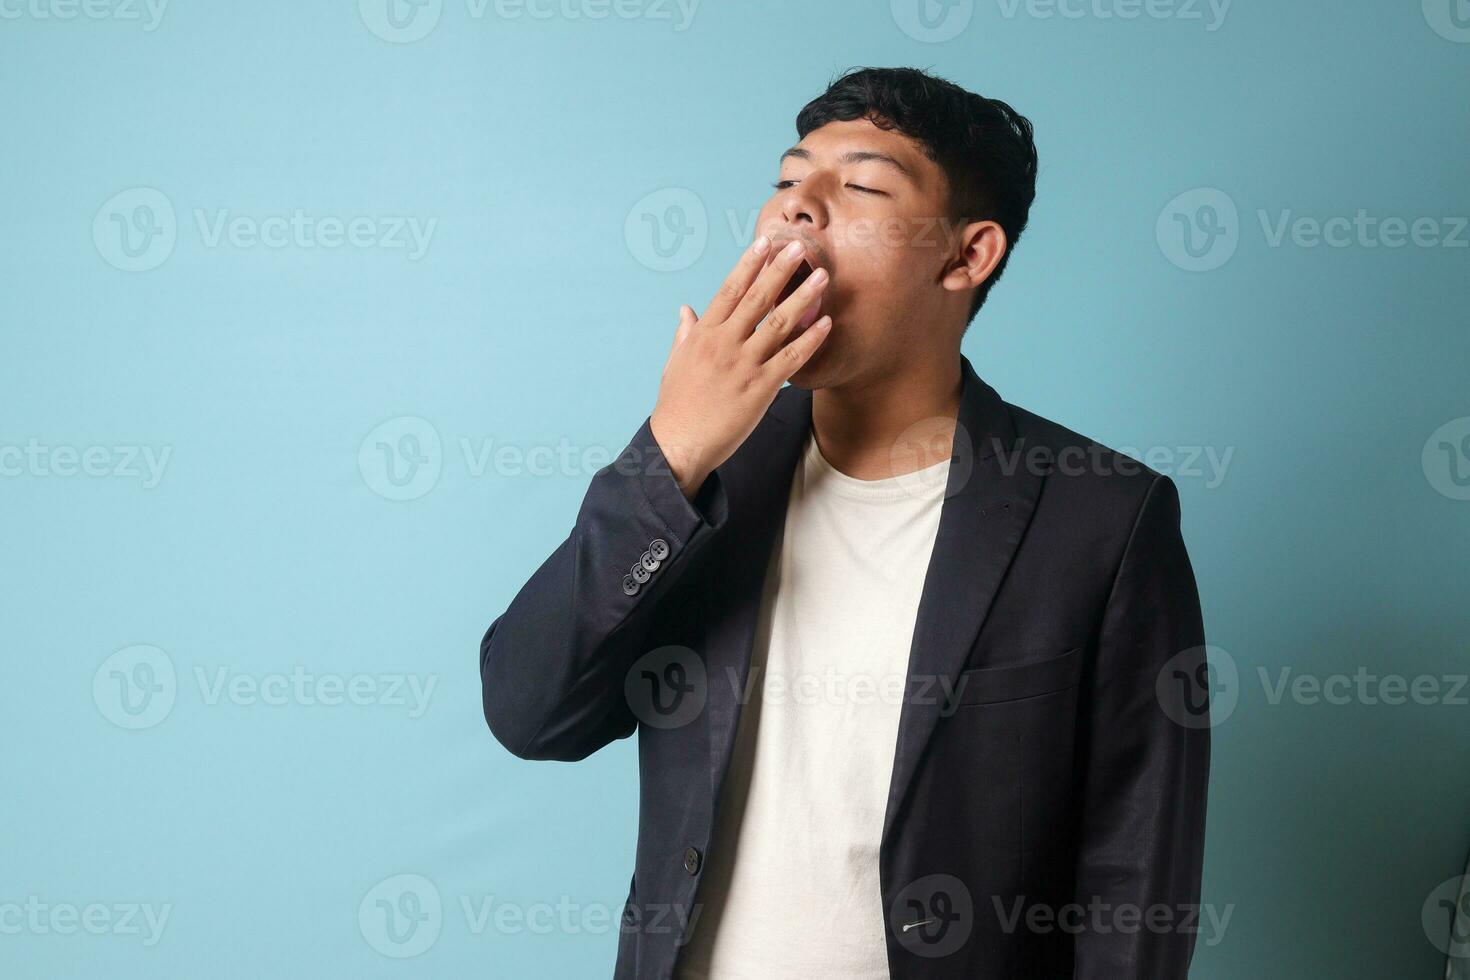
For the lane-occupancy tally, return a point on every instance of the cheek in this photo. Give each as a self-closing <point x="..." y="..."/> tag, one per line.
<point x="874" y="272"/>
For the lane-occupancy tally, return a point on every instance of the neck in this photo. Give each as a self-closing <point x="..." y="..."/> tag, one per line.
<point x="890" y="425"/>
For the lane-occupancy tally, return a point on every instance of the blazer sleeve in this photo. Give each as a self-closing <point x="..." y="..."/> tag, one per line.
<point x="552" y="666"/>
<point x="1145" y="756"/>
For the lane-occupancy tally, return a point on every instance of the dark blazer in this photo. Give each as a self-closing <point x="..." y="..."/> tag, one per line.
<point x="1053" y="745"/>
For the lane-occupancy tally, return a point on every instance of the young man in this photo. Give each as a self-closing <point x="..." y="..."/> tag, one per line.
<point x="901" y="656"/>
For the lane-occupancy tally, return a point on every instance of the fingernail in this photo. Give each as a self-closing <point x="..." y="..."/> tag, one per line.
<point x="792" y="250"/>
<point x="760" y="245"/>
<point x="818" y="277"/>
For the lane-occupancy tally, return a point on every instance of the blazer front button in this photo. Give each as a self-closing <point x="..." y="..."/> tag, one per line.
<point x="659" y="549"/>
<point x="691" y="860"/>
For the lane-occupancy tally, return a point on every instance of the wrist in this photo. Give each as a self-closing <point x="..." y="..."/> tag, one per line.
<point x="684" y="463"/>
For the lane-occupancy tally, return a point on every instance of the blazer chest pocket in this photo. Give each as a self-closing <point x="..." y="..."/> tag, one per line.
<point x="991" y="685"/>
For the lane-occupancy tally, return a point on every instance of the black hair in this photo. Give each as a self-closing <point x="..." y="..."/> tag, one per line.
<point x="984" y="147"/>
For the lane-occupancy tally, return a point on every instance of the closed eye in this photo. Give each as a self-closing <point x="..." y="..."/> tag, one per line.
<point x="782" y="185"/>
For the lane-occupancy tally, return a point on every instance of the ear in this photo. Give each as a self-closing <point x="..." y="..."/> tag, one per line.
<point x="982" y="244"/>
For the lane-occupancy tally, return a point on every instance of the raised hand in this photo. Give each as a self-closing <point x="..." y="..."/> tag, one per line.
<point x="723" y="373"/>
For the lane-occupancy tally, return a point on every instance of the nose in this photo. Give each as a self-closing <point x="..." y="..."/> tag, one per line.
<point x="803" y="204"/>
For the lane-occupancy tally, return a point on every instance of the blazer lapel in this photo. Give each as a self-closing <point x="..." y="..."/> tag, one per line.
<point x="989" y="500"/>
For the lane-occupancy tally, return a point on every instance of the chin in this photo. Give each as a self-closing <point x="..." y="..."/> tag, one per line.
<point x="822" y="371"/>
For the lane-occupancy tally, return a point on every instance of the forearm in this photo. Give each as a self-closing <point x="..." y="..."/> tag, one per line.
<point x="552" y="666"/>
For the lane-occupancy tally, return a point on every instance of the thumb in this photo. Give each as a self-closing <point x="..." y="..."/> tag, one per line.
<point x="687" y="319"/>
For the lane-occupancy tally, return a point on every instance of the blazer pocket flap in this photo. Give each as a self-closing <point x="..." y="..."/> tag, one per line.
<point x="986" y="685"/>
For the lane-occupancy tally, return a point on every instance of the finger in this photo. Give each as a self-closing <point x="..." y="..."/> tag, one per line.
<point x="732" y="290"/>
<point x="777" y="328"/>
<point x="686" y="323"/>
<point x="789" y="359"/>
<point x="762" y="294"/>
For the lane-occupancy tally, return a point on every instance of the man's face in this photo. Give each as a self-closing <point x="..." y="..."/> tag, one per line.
<point x="870" y="206"/>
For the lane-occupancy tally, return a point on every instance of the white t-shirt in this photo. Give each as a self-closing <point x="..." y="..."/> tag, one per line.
<point x="791" y="881"/>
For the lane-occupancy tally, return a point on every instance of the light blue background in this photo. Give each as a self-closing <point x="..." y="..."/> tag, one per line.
<point x="539" y="317"/>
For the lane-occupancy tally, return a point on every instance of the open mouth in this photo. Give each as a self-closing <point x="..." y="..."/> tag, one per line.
<point x="798" y="276"/>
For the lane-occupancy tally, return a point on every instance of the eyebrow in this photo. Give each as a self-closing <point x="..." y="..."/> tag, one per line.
<point x="857" y="156"/>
